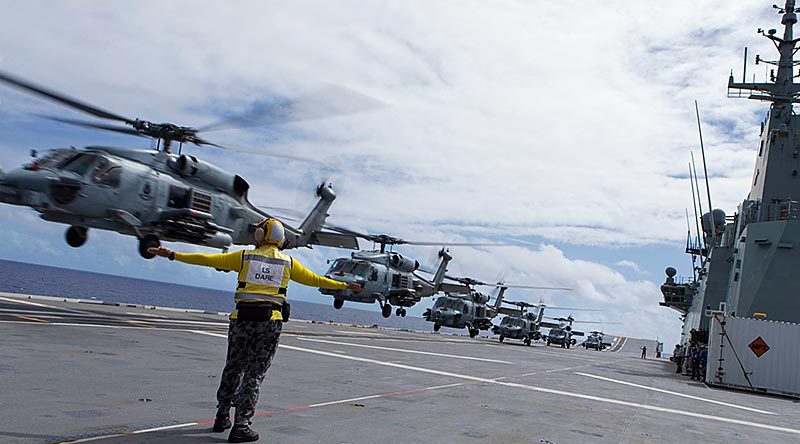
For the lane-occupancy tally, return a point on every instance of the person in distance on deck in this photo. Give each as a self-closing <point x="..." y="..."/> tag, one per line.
<point x="255" y="324"/>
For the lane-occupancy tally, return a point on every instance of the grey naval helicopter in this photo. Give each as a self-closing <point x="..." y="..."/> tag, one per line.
<point x="562" y="333"/>
<point x="520" y="323"/>
<point x="155" y="195"/>
<point x="464" y="307"/>
<point x="387" y="277"/>
<point x="595" y="341"/>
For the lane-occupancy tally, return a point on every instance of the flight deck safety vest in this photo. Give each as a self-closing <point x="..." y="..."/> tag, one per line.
<point x="264" y="275"/>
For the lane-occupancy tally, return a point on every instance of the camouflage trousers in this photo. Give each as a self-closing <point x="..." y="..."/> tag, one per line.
<point x="251" y="347"/>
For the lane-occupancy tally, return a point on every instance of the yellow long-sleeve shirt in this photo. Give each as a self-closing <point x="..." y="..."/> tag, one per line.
<point x="233" y="262"/>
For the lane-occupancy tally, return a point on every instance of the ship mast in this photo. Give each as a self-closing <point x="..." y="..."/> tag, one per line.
<point x="781" y="89"/>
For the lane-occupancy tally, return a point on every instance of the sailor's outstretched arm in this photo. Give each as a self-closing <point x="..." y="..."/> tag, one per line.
<point x="303" y="275"/>
<point x="224" y="261"/>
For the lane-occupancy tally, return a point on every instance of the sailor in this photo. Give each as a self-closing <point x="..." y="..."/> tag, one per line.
<point x="678" y="355"/>
<point x="255" y="324"/>
<point x="644" y="351"/>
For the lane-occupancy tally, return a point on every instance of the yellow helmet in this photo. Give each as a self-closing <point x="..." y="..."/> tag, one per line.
<point x="270" y="231"/>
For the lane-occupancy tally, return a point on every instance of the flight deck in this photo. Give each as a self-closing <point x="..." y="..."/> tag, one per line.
<point x="80" y="372"/>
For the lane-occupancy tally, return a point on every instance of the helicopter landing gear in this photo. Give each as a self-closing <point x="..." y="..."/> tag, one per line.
<point x="400" y="312"/>
<point x="473" y="332"/>
<point x="149" y="241"/>
<point x="527" y="341"/>
<point x="437" y="326"/>
<point x="76" y="236"/>
<point x="501" y="338"/>
<point x="386" y="310"/>
<point x="338" y="303"/>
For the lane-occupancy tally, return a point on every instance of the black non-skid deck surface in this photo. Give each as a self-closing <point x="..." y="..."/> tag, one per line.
<point x="75" y="372"/>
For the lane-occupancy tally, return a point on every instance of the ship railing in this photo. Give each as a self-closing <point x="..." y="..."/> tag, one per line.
<point x="783" y="210"/>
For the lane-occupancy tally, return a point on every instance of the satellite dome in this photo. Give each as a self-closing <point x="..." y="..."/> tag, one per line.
<point x="671" y="272"/>
<point x="718" y="218"/>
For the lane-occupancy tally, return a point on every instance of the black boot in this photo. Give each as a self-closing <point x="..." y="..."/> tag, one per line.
<point x="222" y="422"/>
<point x="242" y="433"/>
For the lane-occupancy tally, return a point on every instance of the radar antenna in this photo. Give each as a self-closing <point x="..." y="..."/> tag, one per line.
<point x="780" y="89"/>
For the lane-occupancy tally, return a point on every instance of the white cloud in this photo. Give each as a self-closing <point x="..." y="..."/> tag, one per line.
<point x="630" y="264"/>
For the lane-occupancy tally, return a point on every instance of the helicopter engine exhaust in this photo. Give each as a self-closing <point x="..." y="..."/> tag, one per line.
<point x="190" y="166"/>
<point x="402" y="263"/>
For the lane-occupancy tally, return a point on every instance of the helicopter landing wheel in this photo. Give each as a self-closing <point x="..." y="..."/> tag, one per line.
<point x="398" y="311"/>
<point x="437" y="326"/>
<point x="473" y="332"/>
<point x="338" y="303"/>
<point x="403" y="313"/>
<point x="386" y="310"/>
<point x="501" y="338"/>
<point x="76" y="236"/>
<point x="149" y="241"/>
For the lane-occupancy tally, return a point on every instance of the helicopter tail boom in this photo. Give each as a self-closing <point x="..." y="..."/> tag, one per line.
<point x="438" y="278"/>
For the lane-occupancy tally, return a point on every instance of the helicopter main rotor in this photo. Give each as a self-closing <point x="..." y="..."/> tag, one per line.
<point x="169" y="132"/>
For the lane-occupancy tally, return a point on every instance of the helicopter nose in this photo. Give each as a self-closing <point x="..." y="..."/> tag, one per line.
<point x="24" y="179"/>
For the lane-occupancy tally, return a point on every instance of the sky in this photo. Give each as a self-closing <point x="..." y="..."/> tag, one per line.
<point x="566" y="125"/>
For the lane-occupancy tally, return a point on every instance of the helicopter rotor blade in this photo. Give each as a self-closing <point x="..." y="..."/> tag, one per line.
<point x="330" y="101"/>
<point x="530" y="287"/>
<point x="85" y="124"/>
<point x="258" y="152"/>
<point x="62" y="99"/>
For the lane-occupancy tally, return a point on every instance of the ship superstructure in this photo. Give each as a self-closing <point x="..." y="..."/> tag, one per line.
<point x="749" y="262"/>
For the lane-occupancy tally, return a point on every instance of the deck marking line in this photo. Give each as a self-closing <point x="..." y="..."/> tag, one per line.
<point x="697" y="398"/>
<point x="554" y="392"/>
<point x="158" y="429"/>
<point x="35" y="304"/>
<point x="28" y="318"/>
<point x="419" y="352"/>
<point x="93" y="438"/>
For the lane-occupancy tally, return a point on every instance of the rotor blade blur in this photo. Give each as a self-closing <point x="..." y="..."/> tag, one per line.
<point x="531" y="287"/>
<point x="117" y="129"/>
<point x="262" y="153"/>
<point x="568" y="308"/>
<point x="462" y="244"/>
<point x="62" y="99"/>
<point x="331" y="101"/>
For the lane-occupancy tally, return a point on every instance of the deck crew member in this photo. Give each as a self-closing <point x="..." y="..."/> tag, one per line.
<point x="255" y="324"/>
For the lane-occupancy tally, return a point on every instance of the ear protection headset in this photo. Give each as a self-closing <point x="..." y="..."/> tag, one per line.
<point x="270" y="231"/>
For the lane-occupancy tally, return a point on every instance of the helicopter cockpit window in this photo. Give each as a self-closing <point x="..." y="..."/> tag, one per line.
<point x="337" y="265"/>
<point x="506" y="320"/>
<point x="362" y="269"/>
<point x="53" y="159"/>
<point x="79" y="163"/>
<point x="107" y="173"/>
<point x="178" y="197"/>
<point x="374" y="275"/>
<point x="440" y="303"/>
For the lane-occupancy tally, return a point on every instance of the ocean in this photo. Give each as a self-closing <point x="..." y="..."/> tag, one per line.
<point x="18" y="277"/>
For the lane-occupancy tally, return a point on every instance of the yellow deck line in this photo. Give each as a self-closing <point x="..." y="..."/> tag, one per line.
<point x="28" y="318"/>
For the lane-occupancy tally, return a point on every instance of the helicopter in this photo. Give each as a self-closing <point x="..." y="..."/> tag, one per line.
<point x="595" y="341"/>
<point x="387" y="277"/>
<point x="562" y="333"/>
<point x="522" y="324"/>
<point x="154" y="195"/>
<point x="464" y="307"/>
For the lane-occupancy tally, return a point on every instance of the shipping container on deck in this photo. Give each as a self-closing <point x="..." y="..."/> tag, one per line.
<point x="754" y="355"/>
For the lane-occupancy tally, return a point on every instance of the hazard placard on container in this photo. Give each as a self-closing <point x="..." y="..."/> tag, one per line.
<point x="759" y="347"/>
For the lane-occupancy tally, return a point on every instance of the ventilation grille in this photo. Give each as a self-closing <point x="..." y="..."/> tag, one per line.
<point x="201" y="202"/>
